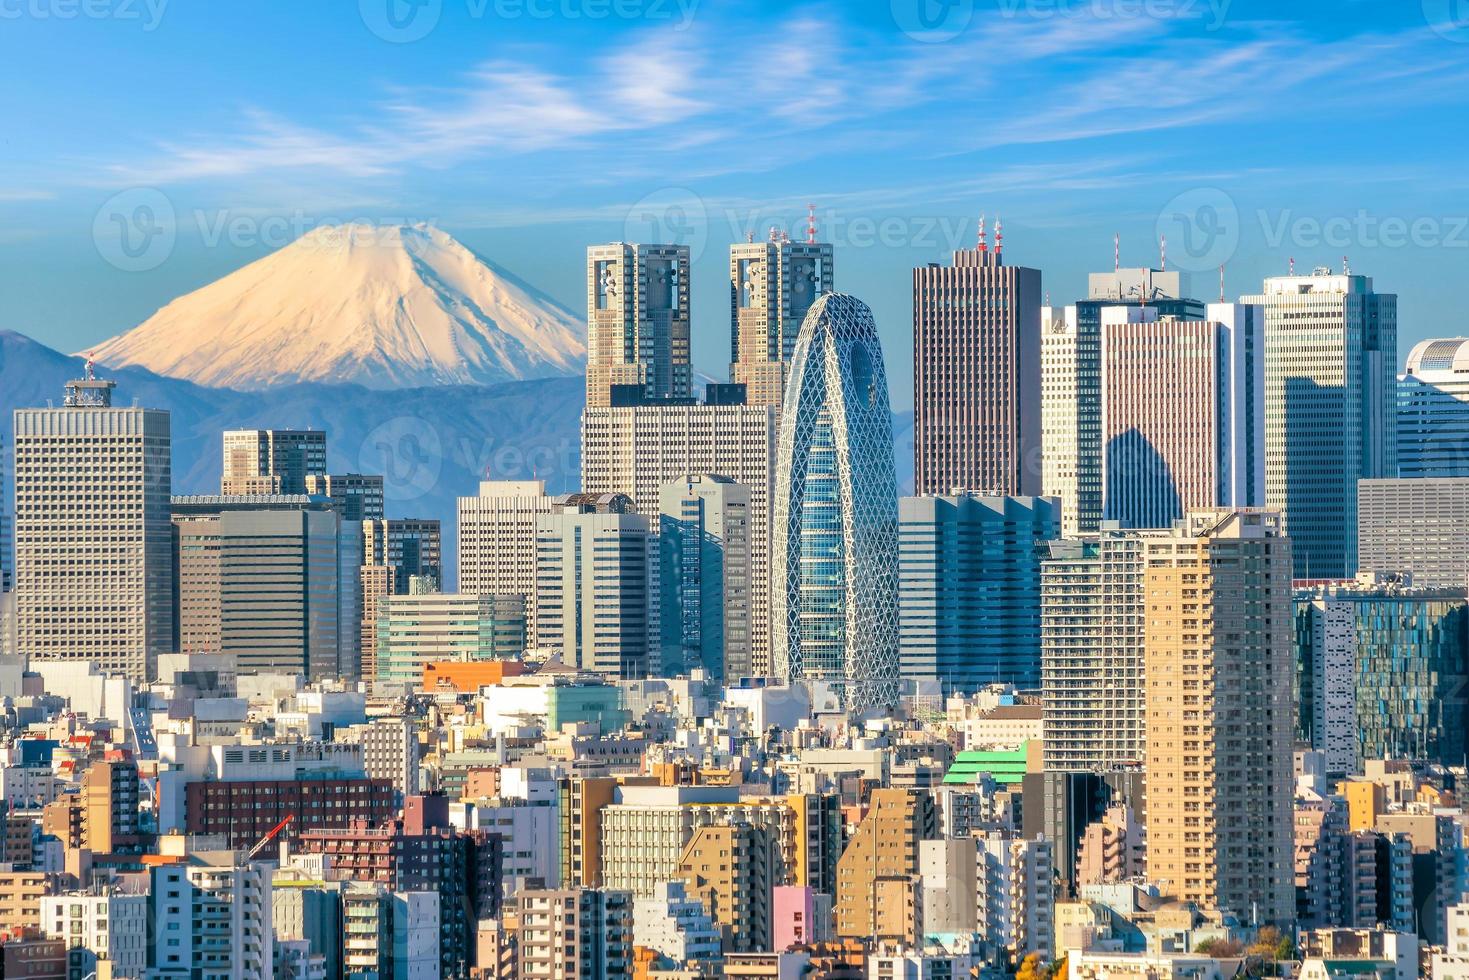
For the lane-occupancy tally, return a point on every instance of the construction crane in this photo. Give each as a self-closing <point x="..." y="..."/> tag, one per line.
<point x="260" y="846"/>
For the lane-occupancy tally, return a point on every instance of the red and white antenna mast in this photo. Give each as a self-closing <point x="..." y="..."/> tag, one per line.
<point x="811" y="224"/>
<point x="999" y="235"/>
<point x="983" y="245"/>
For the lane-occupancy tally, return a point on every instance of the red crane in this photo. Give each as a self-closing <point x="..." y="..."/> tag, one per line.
<point x="269" y="837"/>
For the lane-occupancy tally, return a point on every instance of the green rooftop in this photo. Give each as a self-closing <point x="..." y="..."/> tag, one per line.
<point x="1007" y="766"/>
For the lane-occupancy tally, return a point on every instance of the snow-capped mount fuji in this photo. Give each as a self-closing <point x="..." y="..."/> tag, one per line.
<point x="382" y="307"/>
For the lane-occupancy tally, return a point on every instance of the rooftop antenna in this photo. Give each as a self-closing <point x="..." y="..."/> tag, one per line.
<point x="1163" y="253"/>
<point x="1221" y="282"/>
<point x="1292" y="265"/>
<point x="750" y="236"/>
<point x="983" y="245"/>
<point x="999" y="235"/>
<point x="1116" y="251"/>
<point x="811" y="224"/>
<point x="1346" y="266"/>
<point x="774" y="233"/>
<point x="90" y="375"/>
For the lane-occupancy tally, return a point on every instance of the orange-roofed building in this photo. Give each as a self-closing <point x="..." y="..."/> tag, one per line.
<point x="468" y="676"/>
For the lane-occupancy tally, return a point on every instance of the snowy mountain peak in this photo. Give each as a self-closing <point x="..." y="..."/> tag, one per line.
<point x="383" y="307"/>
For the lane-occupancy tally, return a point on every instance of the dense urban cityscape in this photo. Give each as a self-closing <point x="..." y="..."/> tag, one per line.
<point x="752" y="489"/>
<point x="1158" y="672"/>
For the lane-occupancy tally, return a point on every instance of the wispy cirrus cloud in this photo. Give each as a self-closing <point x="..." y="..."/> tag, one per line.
<point x="807" y="86"/>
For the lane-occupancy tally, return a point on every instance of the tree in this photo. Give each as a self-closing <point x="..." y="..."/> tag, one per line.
<point x="1031" y="968"/>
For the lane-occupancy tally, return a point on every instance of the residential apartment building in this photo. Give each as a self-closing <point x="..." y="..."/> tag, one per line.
<point x="1217" y="636"/>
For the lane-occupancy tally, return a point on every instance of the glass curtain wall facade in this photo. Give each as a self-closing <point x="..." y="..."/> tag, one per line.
<point x="835" y="543"/>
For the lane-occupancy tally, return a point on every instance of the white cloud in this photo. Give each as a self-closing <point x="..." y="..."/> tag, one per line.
<point x="660" y="101"/>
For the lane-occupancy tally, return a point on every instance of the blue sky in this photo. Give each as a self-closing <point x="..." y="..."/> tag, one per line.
<point x="1248" y="132"/>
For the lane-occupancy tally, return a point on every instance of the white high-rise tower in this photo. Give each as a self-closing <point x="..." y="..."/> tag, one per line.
<point x="1330" y="408"/>
<point x="93" y="540"/>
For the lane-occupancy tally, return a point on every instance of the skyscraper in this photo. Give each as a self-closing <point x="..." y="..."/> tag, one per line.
<point x="835" y="540"/>
<point x="394" y="553"/>
<point x="359" y="494"/>
<point x="1071" y="389"/>
<point x="771" y="286"/>
<point x="1219" y="669"/>
<point x="1330" y="408"/>
<point x="1382" y="671"/>
<point x="1433" y="410"/>
<point x="704" y="576"/>
<point x="413" y="546"/>
<point x="637" y="321"/>
<point x="93" y="544"/>
<point x="1183" y="413"/>
<point x="4" y="525"/>
<point x="969" y="602"/>
<point x="271" y="460"/>
<point x="639" y="449"/>
<point x="1092" y="652"/>
<point x="270" y="580"/>
<point x="1418" y="528"/>
<point x="594" y="561"/>
<point x="977" y="375"/>
<point x="497" y="540"/>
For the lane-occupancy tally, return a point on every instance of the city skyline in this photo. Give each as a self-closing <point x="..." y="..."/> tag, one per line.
<point x="511" y="554"/>
<point x="1119" y="158"/>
